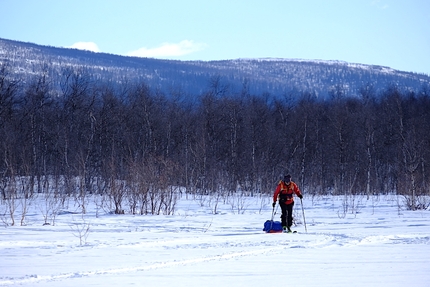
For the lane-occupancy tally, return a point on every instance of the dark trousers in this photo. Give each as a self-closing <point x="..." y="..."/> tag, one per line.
<point x="287" y="214"/>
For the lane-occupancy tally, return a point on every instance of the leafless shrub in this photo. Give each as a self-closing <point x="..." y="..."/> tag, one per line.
<point x="10" y="200"/>
<point x="239" y="202"/>
<point x="81" y="230"/>
<point x="49" y="207"/>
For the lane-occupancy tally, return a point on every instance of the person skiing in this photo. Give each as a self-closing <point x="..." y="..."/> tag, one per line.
<point x="285" y="190"/>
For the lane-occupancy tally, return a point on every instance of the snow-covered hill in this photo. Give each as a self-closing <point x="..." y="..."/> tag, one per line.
<point x="257" y="76"/>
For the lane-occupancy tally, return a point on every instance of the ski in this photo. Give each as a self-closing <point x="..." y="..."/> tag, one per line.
<point x="290" y="231"/>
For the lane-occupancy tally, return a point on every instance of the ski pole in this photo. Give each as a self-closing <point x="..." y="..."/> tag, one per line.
<point x="273" y="215"/>
<point x="304" y="219"/>
<point x="273" y="212"/>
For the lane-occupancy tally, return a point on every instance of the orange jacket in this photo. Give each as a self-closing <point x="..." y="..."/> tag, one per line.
<point x="286" y="190"/>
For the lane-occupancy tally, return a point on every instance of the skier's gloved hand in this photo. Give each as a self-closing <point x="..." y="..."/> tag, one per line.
<point x="300" y="196"/>
<point x="274" y="204"/>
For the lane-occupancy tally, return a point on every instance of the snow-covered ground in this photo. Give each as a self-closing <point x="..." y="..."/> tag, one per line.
<point x="374" y="244"/>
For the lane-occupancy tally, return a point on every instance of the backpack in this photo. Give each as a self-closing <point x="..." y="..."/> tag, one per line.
<point x="271" y="226"/>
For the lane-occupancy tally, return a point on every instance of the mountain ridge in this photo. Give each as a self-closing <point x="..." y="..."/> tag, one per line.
<point x="276" y="76"/>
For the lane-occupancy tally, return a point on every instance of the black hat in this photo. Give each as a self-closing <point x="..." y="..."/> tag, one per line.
<point x="287" y="178"/>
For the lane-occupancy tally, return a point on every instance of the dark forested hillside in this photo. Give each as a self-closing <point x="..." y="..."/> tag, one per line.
<point x="68" y="129"/>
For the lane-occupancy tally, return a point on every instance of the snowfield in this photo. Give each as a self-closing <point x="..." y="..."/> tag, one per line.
<point x="371" y="243"/>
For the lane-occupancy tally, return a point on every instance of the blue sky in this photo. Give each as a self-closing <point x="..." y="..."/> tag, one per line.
<point x="393" y="33"/>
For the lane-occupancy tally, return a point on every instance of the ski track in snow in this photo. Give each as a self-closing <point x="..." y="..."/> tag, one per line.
<point x="250" y="248"/>
<point x="174" y="246"/>
<point x="226" y="256"/>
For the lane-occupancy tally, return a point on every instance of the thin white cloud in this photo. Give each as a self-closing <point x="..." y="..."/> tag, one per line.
<point x="167" y="50"/>
<point x="89" y="46"/>
<point x="379" y="5"/>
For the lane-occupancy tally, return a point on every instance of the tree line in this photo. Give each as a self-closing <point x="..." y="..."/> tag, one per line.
<point x="135" y="144"/>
